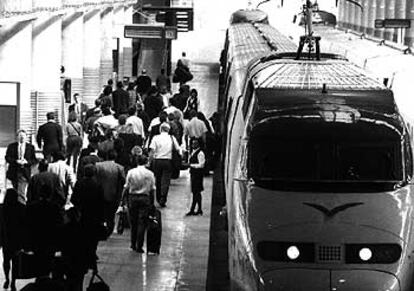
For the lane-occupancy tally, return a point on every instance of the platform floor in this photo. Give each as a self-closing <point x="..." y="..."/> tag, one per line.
<point x="182" y="263"/>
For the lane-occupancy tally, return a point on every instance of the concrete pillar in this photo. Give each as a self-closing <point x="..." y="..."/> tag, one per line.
<point x="371" y="12"/>
<point x="91" y="56"/>
<point x="347" y="14"/>
<point x="380" y="14"/>
<point x="409" y="37"/>
<point x="106" y="46"/>
<point x="72" y="50"/>
<point x="341" y="14"/>
<point x="400" y="11"/>
<point x="15" y="65"/>
<point x="126" y="47"/>
<point x="357" y="18"/>
<point x="364" y="16"/>
<point x="46" y="62"/>
<point x="389" y="14"/>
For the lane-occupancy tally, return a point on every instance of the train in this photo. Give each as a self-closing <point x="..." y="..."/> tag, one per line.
<point x="317" y="169"/>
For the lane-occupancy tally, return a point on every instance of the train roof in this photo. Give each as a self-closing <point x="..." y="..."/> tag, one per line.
<point x="248" y="41"/>
<point x="252" y="16"/>
<point x="326" y="83"/>
<point x="336" y="74"/>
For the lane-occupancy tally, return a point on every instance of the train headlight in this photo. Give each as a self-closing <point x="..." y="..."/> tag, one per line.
<point x="365" y="254"/>
<point x="293" y="252"/>
<point x="372" y="253"/>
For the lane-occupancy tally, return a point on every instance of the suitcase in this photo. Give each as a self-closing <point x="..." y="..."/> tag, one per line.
<point x="154" y="232"/>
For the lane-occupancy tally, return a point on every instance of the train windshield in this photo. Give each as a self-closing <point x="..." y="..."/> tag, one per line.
<point x="326" y="156"/>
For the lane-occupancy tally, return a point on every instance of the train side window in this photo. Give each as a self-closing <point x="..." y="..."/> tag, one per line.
<point x="247" y="98"/>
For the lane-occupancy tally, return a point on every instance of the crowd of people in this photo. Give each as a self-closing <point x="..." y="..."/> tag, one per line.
<point x="122" y="153"/>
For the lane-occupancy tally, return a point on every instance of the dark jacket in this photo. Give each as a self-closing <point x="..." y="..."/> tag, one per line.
<point x="51" y="180"/>
<point x="14" y="167"/>
<point x="153" y="105"/>
<point x="179" y="100"/>
<point x="88" y="198"/>
<point x="86" y="160"/>
<point x="112" y="178"/>
<point x="51" y="135"/>
<point x="120" y="99"/>
<point x="143" y="84"/>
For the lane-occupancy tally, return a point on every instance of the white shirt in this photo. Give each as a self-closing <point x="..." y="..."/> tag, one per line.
<point x="136" y="124"/>
<point x="201" y="161"/>
<point x="166" y="99"/>
<point x="195" y="128"/>
<point x="162" y="145"/>
<point x="140" y="180"/>
<point x="65" y="173"/>
<point x="21" y="148"/>
<point x="108" y="121"/>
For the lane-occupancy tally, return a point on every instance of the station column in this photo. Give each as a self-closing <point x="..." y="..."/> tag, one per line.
<point x="409" y="37"/>
<point x="106" y="46"/>
<point x="46" y="63"/>
<point x="371" y="13"/>
<point x="15" y="65"/>
<point x="400" y="10"/>
<point x="389" y="14"/>
<point x="380" y="14"/>
<point x="72" y="50"/>
<point x="91" y="56"/>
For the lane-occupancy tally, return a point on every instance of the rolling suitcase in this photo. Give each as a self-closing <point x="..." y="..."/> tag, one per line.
<point x="154" y="232"/>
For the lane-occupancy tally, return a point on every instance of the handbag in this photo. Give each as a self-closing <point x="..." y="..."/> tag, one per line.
<point x="98" y="285"/>
<point x="71" y="216"/>
<point x="176" y="159"/>
<point x="30" y="265"/>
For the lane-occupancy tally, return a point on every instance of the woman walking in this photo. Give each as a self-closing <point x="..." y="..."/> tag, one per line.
<point x="197" y="161"/>
<point x="193" y="103"/>
<point x="74" y="140"/>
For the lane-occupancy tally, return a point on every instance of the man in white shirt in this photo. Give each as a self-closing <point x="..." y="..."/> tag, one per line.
<point x="65" y="173"/>
<point x="195" y="129"/>
<point x="135" y="122"/>
<point x="139" y="195"/>
<point x="161" y="154"/>
<point x="107" y="121"/>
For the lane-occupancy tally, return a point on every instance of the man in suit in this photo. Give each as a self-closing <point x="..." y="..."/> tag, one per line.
<point x="51" y="135"/>
<point x="79" y="108"/>
<point x="120" y="99"/>
<point x="112" y="178"/>
<point x="20" y="156"/>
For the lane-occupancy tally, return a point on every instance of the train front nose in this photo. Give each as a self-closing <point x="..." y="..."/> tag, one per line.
<point x="328" y="280"/>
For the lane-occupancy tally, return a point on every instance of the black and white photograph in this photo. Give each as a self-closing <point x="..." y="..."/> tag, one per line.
<point x="218" y="145"/>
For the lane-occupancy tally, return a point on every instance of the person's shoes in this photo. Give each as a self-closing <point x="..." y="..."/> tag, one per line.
<point x="6" y="284"/>
<point x="134" y="248"/>
<point x="190" y="213"/>
<point x="163" y="205"/>
<point x="200" y="212"/>
<point x="140" y="250"/>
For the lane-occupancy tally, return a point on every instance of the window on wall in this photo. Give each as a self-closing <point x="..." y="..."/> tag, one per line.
<point x="9" y="106"/>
